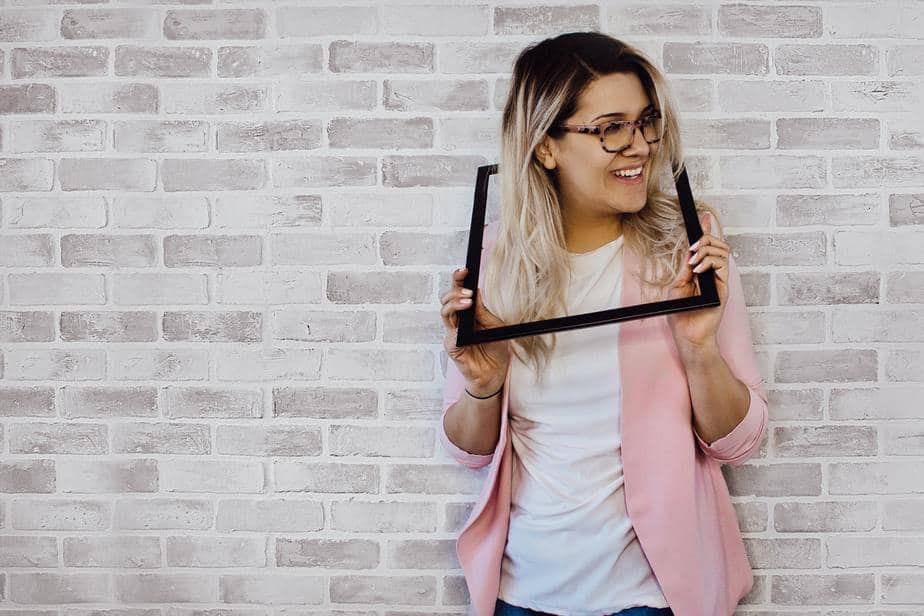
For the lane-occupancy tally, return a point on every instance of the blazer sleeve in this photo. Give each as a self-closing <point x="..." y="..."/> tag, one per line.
<point x="735" y="344"/>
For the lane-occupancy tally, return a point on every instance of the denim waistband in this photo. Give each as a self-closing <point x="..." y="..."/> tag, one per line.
<point x="502" y="608"/>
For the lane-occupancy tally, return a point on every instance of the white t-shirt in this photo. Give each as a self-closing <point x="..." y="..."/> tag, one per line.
<point x="571" y="548"/>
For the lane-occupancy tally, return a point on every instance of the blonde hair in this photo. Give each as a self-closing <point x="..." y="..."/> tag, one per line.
<point x="526" y="277"/>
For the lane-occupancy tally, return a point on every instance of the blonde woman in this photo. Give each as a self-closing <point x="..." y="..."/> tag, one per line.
<point x="604" y="493"/>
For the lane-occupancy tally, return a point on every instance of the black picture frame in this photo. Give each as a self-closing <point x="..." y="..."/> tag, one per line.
<point x="467" y="334"/>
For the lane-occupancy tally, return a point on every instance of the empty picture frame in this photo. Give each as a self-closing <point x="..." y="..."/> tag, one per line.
<point x="467" y="334"/>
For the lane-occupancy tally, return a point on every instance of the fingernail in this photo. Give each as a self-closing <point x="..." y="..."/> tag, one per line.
<point x="692" y="259"/>
<point x="466" y="291"/>
<point x="466" y="300"/>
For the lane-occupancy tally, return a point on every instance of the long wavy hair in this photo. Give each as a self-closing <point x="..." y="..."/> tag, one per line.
<point x="526" y="278"/>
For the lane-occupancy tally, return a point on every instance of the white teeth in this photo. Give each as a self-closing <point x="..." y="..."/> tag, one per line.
<point x="630" y="173"/>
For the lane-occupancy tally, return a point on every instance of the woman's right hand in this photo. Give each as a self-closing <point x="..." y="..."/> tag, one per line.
<point x="484" y="365"/>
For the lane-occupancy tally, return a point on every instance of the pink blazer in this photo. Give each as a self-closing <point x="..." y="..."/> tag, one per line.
<point x="676" y="495"/>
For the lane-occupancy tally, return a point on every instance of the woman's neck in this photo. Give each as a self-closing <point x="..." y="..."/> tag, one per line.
<point x="591" y="234"/>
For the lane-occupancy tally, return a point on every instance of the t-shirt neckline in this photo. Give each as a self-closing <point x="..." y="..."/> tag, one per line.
<point x="611" y="244"/>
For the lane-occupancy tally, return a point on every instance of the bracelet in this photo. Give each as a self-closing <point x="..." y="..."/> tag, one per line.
<point x="485" y="397"/>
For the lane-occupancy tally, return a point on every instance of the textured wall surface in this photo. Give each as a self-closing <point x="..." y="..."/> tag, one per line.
<point x="225" y="230"/>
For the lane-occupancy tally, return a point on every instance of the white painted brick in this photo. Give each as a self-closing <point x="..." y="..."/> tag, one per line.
<point x="879" y="248"/>
<point x="57" y="136"/>
<point x="545" y="19"/>
<point x="269" y="364"/>
<point x="31" y="250"/>
<point x="162" y="513"/>
<point x="306" y="21"/>
<point x="858" y="21"/>
<point x="193" y="24"/>
<point x="124" y="552"/>
<point x="38" y="211"/>
<point x="835" y="60"/>
<point x="876" y="96"/>
<point x="200" y="475"/>
<point x="266" y="61"/>
<point x="26" y="174"/>
<point x="662" y="20"/>
<point x="107" y="174"/>
<point x="144" y="61"/>
<point x="435" y="20"/>
<point x="73" y="364"/>
<point x="169" y="136"/>
<point x="103" y="401"/>
<point x="56" y="588"/>
<point x="273" y="588"/>
<point x="227" y="551"/>
<point x="105" y="23"/>
<point x="107" y="97"/>
<point x="158" y="289"/>
<point x="239" y="211"/>
<point x="163" y="363"/>
<point x="225" y="228"/>
<point x="160" y="211"/>
<point x="741" y="20"/>
<point x="107" y="476"/>
<point x="277" y="514"/>
<point x="70" y="61"/>
<point x="60" y="514"/>
<point x="165" y="587"/>
<point x="28" y="25"/>
<point x="801" y="95"/>
<point x="317" y="171"/>
<point x="905" y="60"/>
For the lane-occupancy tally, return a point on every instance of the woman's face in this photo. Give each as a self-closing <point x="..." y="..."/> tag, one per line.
<point x="584" y="168"/>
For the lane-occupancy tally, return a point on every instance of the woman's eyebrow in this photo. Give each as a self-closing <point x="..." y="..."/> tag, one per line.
<point x="619" y="114"/>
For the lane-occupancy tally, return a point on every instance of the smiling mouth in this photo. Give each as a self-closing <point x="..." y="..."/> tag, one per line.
<point x="631" y="179"/>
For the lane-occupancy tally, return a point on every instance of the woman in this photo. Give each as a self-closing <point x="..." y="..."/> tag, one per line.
<point x="605" y="493"/>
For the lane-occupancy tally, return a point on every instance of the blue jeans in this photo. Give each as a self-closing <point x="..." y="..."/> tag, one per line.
<point x="502" y="608"/>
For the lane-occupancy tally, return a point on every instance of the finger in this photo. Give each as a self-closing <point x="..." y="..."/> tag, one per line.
<point x="458" y="279"/>
<point x="449" y="310"/>
<point x="707" y="250"/>
<point x="720" y="269"/>
<point x="451" y="294"/>
<point x="710" y="261"/>
<point x="710" y="240"/>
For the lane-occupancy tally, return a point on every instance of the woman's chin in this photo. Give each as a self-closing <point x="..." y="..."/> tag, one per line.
<point x="632" y="206"/>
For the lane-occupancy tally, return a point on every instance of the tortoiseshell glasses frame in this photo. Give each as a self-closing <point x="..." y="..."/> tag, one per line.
<point x="600" y="129"/>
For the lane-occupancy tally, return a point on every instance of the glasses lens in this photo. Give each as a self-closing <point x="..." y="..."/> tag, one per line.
<point x="619" y="135"/>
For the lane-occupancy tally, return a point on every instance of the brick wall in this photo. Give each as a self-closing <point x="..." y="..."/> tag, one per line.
<point x="225" y="230"/>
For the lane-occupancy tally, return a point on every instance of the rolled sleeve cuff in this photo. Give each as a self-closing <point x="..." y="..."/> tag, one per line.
<point x="739" y="444"/>
<point x="470" y="460"/>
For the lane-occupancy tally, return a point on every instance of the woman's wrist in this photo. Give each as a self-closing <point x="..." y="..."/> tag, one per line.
<point x="484" y="393"/>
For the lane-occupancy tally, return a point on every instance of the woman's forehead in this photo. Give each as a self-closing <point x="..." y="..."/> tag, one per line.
<point x="619" y="93"/>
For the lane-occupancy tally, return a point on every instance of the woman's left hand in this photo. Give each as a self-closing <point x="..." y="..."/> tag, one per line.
<point x="698" y="327"/>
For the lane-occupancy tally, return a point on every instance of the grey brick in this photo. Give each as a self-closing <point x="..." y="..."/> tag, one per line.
<point x="59" y="62"/>
<point x="184" y="24"/>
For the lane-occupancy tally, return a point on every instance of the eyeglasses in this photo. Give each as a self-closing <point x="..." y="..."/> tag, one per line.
<point x="617" y="136"/>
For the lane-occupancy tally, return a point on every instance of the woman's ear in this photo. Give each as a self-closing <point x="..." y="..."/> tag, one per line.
<point x="545" y="155"/>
